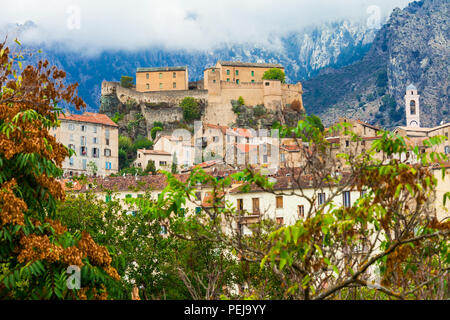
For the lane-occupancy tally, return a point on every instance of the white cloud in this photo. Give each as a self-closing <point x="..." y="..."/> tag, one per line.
<point x="193" y="24"/>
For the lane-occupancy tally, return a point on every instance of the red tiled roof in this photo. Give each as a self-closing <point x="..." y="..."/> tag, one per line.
<point x="90" y="117"/>
<point x="155" y="152"/>
<point x="246" y="147"/>
<point x="223" y="129"/>
<point x="209" y="163"/>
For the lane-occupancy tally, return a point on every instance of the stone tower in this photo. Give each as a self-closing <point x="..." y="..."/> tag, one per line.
<point x="412" y="107"/>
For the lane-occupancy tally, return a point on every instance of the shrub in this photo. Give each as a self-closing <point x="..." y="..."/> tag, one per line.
<point x="259" y="110"/>
<point x="154" y="131"/>
<point x="158" y="124"/>
<point x="142" y="143"/>
<point x="241" y="101"/>
<point x="235" y="107"/>
<point x="117" y="117"/>
<point x="150" y="167"/>
<point x="126" y="82"/>
<point x="274" y="74"/>
<point x="191" y="111"/>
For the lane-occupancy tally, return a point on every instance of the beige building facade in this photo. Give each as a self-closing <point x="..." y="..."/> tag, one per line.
<point x="162" y="79"/>
<point x="95" y="139"/>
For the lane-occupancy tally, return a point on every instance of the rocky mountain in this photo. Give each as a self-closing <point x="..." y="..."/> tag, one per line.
<point x="412" y="47"/>
<point x="303" y="53"/>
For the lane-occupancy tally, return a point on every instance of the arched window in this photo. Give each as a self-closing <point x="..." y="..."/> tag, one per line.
<point x="412" y="106"/>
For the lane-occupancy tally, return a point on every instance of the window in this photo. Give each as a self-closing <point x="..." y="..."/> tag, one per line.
<point x="148" y="86"/>
<point x="84" y="163"/>
<point x="107" y="133"/>
<point x="174" y="75"/>
<point x="198" y="210"/>
<point x="228" y="72"/>
<point x="237" y="72"/>
<point x="83" y="128"/>
<point x="240" y="204"/>
<point x="108" y="152"/>
<point x="107" y="198"/>
<point x="346" y="199"/>
<point x="108" y="165"/>
<point x="347" y="143"/>
<point x="283" y="157"/>
<point x="71" y="126"/>
<point x="253" y="74"/>
<point x="237" y="81"/>
<point x="160" y="85"/>
<point x="280" y="220"/>
<point x="128" y="196"/>
<point x="71" y="137"/>
<point x="71" y="161"/>
<point x="160" y="75"/>
<point x="214" y="81"/>
<point x="95" y="129"/>
<point x="198" y="195"/>
<point x="279" y="202"/>
<point x="255" y="203"/>
<point x="83" y="151"/>
<point x="447" y="149"/>
<point x="215" y="139"/>
<point x="107" y="141"/>
<point x="83" y="141"/>
<point x="163" y="163"/>
<point x="321" y="198"/>
<point x="95" y="153"/>
<point x="363" y="192"/>
<point x="174" y="85"/>
<point x="213" y="70"/>
<point x="267" y="84"/>
<point x="94" y="140"/>
<point x="253" y="81"/>
<point x="301" y="211"/>
<point x="228" y="79"/>
<point x="265" y="158"/>
<point x="412" y="105"/>
<point x="147" y="76"/>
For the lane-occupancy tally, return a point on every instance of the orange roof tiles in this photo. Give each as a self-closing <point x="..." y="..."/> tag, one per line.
<point x="89" y="117"/>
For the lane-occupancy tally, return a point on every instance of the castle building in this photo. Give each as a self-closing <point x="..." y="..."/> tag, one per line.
<point x="412" y="106"/>
<point x="162" y="79"/>
<point x="95" y="139"/>
<point x="237" y="72"/>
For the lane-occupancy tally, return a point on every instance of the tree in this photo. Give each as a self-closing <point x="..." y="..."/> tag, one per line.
<point x="191" y="110"/>
<point x="154" y="131"/>
<point x="126" y="82"/>
<point x="241" y="101"/>
<point x="92" y="167"/>
<point x="151" y="168"/>
<point x="174" y="168"/>
<point x="274" y="74"/>
<point x="334" y="251"/>
<point x="35" y="248"/>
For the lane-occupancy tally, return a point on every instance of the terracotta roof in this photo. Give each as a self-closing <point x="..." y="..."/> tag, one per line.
<point x="285" y="183"/>
<point x="371" y="138"/>
<point x="290" y="148"/>
<point x="242" y="132"/>
<point x="128" y="183"/>
<point x="156" y="152"/>
<point x="223" y="129"/>
<point x="208" y="164"/>
<point x="90" y="117"/>
<point x="250" y="64"/>
<point x="153" y="69"/>
<point x="246" y="147"/>
<point x="208" y="200"/>
<point x="368" y="125"/>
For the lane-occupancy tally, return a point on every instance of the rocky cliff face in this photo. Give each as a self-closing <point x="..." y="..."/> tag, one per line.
<point x="303" y="53"/>
<point x="412" y="47"/>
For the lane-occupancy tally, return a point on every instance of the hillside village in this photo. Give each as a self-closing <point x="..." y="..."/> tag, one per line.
<point x="215" y="144"/>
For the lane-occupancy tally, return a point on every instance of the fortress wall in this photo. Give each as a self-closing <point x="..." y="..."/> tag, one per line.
<point x="172" y="97"/>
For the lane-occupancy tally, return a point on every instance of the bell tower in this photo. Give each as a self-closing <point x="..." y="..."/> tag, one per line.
<point x="412" y="107"/>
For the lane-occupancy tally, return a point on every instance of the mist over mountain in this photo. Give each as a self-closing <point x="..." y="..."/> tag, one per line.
<point x="303" y="54"/>
<point x="412" y="47"/>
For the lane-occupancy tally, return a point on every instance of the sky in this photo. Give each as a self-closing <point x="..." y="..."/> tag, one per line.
<point x="92" y="26"/>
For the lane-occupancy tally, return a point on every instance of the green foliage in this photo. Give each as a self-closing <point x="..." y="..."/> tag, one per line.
<point x="191" y="110"/>
<point x="126" y="82"/>
<point x="154" y="131"/>
<point x="259" y="111"/>
<point x="117" y="117"/>
<point x="274" y="74"/>
<point x="241" y="101"/>
<point x="236" y="107"/>
<point x="92" y="167"/>
<point x="158" y="124"/>
<point x="382" y="79"/>
<point x="151" y="168"/>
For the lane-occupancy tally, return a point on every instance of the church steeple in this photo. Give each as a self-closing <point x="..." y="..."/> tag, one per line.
<point x="412" y="106"/>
